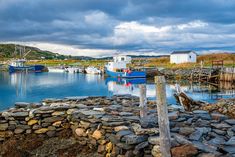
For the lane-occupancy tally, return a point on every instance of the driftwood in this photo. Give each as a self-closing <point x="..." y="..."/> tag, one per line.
<point x="187" y="102"/>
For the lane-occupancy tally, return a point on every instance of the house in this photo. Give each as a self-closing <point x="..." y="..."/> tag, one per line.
<point x="178" y="57"/>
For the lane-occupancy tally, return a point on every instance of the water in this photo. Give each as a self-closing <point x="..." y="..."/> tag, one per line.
<point x="33" y="87"/>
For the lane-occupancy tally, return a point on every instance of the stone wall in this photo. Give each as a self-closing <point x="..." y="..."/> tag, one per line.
<point x="113" y="126"/>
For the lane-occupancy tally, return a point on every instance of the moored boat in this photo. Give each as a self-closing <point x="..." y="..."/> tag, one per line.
<point x="92" y="70"/>
<point x="19" y="66"/>
<point x="56" y="69"/>
<point x="118" y="68"/>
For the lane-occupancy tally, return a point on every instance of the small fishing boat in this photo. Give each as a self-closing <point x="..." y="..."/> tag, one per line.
<point x="72" y="69"/>
<point x="118" y="68"/>
<point x="92" y="70"/>
<point x="19" y="66"/>
<point x="56" y="69"/>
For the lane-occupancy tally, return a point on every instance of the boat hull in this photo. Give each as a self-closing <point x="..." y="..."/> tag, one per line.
<point x="132" y="74"/>
<point x="34" y="68"/>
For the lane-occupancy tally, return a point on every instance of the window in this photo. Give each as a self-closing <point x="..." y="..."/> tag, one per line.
<point x="190" y="56"/>
<point x="122" y="59"/>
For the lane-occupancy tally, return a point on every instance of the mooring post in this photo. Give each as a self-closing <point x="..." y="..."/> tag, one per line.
<point x="143" y="100"/>
<point x="163" y="121"/>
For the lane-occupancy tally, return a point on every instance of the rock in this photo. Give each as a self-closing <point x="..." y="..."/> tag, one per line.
<point x="134" y="139"/>
<point x="218" y="116"/>
<point x="6" y="134"/>
<point x="122" y="133"/>
<point x="19" y="114"/>
<point x="41" y="131"/>
<point x="173" y="115"/>
<point x="84" y="124"/>
<point x="231" y="141"/>
<point x="230" y="121"/>
<point x="204" y="147"/>
<point x="200" y="112"/>
<point x="58" y="113"/>
<point x="184" y="151"/>
<point x="126" y="114"/>
<point x="217" y="141"/>
<point x="119" y="128"/>
<point x="181" y="139"/>
<point x="220" y="125"/>
<point x="57" y="124"/>
<point x="51" y="133"/>
<point x="32" y="122"/>
<point x="101" y="149"/>
<point x="98" y="109"/>
<point x="22" y="104"/>
<point x="4" y="126"/>
<point x="24" y="127"/>
<point x="52" y="119"/>
<point x="141" y="131"/>
<point x="196" y="135"/>
<point x="80" y="132"/>
<point x="154" y="140"/>
<point x="36" y="127"/>
<point x="90" y="112"/>
<point x="156" y="151"/>
<point x="140" y="147"/>
<point x="186" y="130"/>
<point x="229" y="149"/>
<point x="72" y="111"/>
<point x="18" y="131"/>
<point x="219" y="132"/>
<point x="207" y="155"/>
<point x="97" y="134"/>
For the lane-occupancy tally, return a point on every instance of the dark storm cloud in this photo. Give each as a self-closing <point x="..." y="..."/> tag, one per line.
<point x="94" y="24"/>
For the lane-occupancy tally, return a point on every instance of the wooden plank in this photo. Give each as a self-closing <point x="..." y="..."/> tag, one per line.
<point x="163" y="121"/>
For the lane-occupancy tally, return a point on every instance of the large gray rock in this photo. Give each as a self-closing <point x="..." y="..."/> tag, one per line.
<point x="52" y="119"/>
<point x="22" y="104"/>
<point x="181" y="139"/>
<point x="196" y="135"/>
<point x="217" y="141"/>
<point x="123" y="133"/>
<point x="230" y="121"/>
<point x="231" y="141"/>
<point x="135" y="139"/>
<point x="221" y="125"/>
<point x="204" y="147"/>
<point x="19" y="114"/>
<point x="186" y="130"/>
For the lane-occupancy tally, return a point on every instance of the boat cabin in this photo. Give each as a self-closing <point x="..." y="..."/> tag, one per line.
<point x="119" y="63"/>
<point x="18" y="63"/>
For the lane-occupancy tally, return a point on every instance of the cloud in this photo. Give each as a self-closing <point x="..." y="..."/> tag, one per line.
<point x="155" y="26"/>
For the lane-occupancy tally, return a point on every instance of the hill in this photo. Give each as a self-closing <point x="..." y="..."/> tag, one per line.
<point x="8" y="51"/>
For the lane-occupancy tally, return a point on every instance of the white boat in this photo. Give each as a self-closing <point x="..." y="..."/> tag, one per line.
<point x="72" y="70"/>
<point x="92" y="70"/>
<point x="56" y="69"/>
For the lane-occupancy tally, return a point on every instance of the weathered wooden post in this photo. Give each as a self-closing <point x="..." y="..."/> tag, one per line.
<point x="163" y="121"/>
<point x="143" y="101"/>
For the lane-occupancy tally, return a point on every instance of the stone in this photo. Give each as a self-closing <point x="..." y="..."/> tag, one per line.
<point x="97" y="134"/>
<point x="58" y="113"/>
<point x="221" y="125"/>
<point x="229" y="149"/>
<point x="32" y="122"/>
<point x="36" y="127"/>
<point x="101" y="149"/>
<point x="181" y="139"/>
<point x="119" y="128"/>
<point x="204" y="147"/>
<point x="140" y="146"/>
<point x="134" y="139"/>
<point x="19" y="114"/>
<point x="200" y="112"/>
<point x="219" y="132"/>
<point x="90" y="112"/>
<point x="154" y="140"/>
<point x="156" y="151"/>
<point x="126" y="114"/>
<point x="231" y="141"/>
<point x="28" y="131"/>
<point x="196" y="135"/>
<point x="6" y="134"/>
<point x="98" y="109"/>
<point x="122" y="133"/>
<point x="22" y="104"/>
<point x="218" y="116"/>
<point x="173" y="115"/>
<point x="84" y="124"/>
<point x="80" y="132"/>
<point x="25" y="127"/>
<point x="230" y="121"/>
<point x="72" y="111"/>
<point x="41" y="131"/>
<point x="4" y="126"/>
<point x="207" y="155"/>
<point x="57" y="124"/>
<point x="52" y="119"/>
<point x="51" y="133"/>
<point x="186" y="130"/>
<point x="18" y="131"/>
<point x="140" y="131"/>
<point x="184" y="151"/>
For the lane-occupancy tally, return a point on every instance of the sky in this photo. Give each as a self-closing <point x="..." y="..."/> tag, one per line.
<point x="107" y="27"/>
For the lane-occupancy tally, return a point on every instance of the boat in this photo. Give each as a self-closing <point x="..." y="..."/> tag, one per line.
<point x="92" y="70"/>
<point x="118" y="68"/>
<point x="72" y="69"/>
<point x="56" y="69"/>
<point x="19" y="66"/>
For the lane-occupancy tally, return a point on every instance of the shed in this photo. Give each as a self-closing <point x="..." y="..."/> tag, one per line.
<point x="178" y="57"/>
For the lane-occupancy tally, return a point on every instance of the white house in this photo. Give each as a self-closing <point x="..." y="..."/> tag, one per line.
<point x="178" y="57"/>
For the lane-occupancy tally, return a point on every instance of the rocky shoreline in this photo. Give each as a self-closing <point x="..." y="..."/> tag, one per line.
<point x="98" y="126"/>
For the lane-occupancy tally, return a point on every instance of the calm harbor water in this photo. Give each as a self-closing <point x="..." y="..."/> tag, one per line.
<point x="33" y="87"/>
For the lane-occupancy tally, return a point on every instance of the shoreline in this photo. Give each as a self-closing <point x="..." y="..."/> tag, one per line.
<point x="113" y="125"/>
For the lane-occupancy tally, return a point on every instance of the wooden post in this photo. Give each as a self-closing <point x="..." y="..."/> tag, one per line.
<point x="163" y="121"/>
<point x="143" y="101"/>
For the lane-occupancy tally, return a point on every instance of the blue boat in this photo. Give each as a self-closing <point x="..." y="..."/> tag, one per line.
<point x="19" y="66"/>
<point x="118" y="68"/>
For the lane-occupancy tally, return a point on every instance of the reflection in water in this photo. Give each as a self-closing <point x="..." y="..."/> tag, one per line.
<point x="33" y="87"/>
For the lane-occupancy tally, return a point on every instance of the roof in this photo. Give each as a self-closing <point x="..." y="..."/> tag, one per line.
<point x="182" y="52"/>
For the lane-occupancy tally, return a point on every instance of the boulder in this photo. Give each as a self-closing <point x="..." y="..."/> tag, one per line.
<point x="231" y="141"/>
<point x="4" y="126"/>
<point x="32" y="122"/>
<point x="41" y="131"/>
<point x="156" y="151"/>
<point x="97" y="134"/>
<point x="80" y="132"/>
<point x="184" y="151"/>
